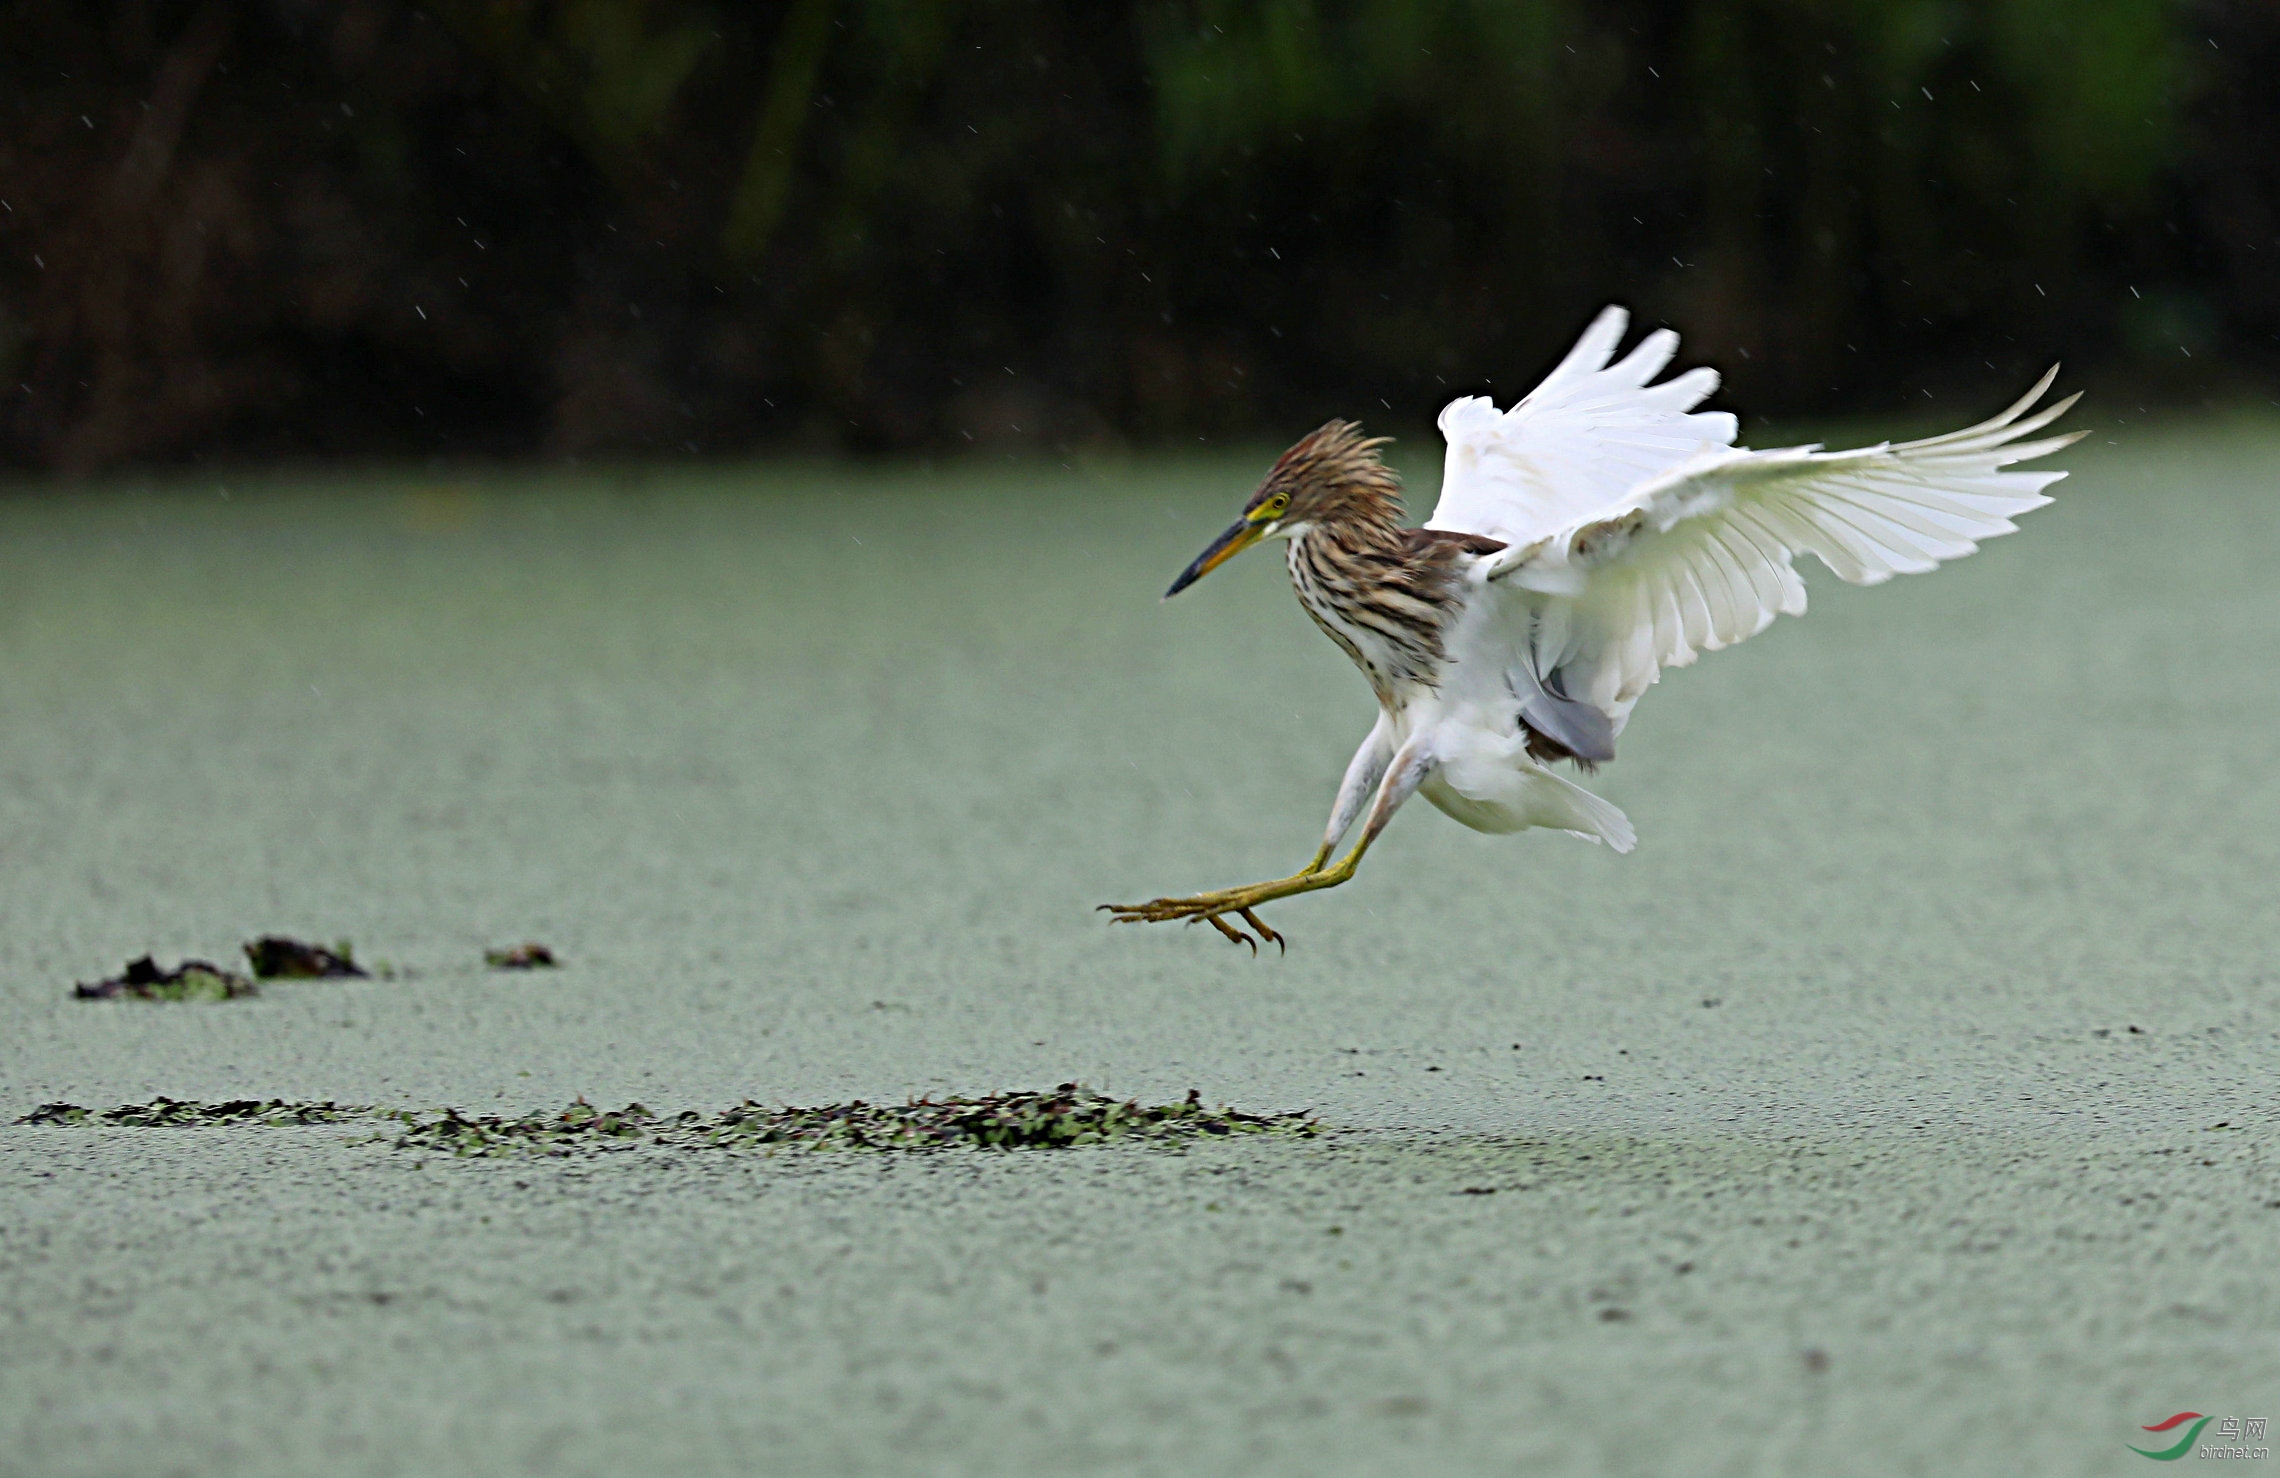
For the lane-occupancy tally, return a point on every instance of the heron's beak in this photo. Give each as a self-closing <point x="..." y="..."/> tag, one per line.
<point x="1241" y="536"/>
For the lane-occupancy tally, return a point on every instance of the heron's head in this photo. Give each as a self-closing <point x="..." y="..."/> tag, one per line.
<point x="1334" y="475"/>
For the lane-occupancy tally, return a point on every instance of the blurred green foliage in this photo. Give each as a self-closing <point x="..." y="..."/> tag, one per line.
<point x="1232" y="77"/>
<point x="604" y="71"/>
<point x="584" y="224"/>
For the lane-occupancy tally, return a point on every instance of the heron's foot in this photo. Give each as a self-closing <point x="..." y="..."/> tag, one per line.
<point x="1235" y="935"/>
<point x="1213" y="908"/>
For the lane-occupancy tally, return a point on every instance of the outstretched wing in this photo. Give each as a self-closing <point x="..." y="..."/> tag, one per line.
<point x="1701" y="557"/>
<point x="1575" y="444"/>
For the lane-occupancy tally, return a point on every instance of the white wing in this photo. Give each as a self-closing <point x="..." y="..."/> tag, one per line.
<point x="1700" y="557"/>
<point x="1576" y="443"/>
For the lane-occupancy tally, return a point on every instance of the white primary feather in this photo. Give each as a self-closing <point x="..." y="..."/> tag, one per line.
<point x="1573" y="446"/>
<point x="1698" y="554"/>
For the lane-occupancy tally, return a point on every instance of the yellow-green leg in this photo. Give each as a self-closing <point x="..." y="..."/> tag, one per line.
<point x="1393" y="778"/>
<point x="1211" y="907"/>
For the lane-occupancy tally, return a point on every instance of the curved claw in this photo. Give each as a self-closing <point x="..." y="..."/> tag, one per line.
<point x="1203" y="909"/>
<point x="1234" y="935"/>
<point x="1281" y="946"/>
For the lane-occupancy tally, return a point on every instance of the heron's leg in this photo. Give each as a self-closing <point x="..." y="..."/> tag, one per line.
<point x="1399" y="782"/>
<point x="1364" y="772"/>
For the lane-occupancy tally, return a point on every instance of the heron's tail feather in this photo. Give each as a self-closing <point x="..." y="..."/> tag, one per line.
<point x="1586" y="815"/>
<point x="1488" y="782"/>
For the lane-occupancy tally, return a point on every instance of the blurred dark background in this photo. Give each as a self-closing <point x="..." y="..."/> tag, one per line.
<point x="244" y="228"/>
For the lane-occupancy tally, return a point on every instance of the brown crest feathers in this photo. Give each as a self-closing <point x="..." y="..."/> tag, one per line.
<point x="1334" y="474"/>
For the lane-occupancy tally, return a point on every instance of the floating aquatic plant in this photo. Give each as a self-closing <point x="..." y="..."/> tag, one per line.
<point x="192" y="980"/>
<point x="164" y="1112"/>
<point x="1070" y="1115"/>
<point x="275" y="957"/>
<point x="520" y="957"/>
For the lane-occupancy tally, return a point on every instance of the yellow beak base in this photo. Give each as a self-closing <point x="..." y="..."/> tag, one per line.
<point x="1239" y="537"/>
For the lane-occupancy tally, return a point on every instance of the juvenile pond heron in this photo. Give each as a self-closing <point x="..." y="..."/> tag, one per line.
<point x="1596" y="533"/>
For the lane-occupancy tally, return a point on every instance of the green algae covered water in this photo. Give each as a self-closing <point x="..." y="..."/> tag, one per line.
<point x="1901" y="1105"/>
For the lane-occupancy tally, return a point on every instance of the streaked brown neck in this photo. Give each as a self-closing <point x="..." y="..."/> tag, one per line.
<point x="1383" y="593"/>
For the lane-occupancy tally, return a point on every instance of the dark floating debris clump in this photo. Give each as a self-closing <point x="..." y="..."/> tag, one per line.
<point x="192" y="980"/>
<point x="167" y="1112"/>
<point x="521" y="957"/>
<point x="1070" y="1115"/>
<point x="275" y="957"/>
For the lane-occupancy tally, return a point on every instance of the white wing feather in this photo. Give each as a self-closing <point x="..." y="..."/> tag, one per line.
<point x="1700" y="556"/>
<point x="1590" y="433"/>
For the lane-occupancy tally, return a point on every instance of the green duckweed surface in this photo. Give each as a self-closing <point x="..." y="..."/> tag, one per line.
<point x="1903" y="1105"/>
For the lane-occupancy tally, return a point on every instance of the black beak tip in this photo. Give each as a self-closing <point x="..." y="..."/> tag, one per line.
<point x="1190" y="575"/>
<point x="1208" y="558"/>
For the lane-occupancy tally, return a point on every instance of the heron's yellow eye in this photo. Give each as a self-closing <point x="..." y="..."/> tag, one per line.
<point x="1274" y="507"/>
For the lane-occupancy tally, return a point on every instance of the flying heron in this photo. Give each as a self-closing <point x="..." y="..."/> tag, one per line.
<point x="1597" y="532"/>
